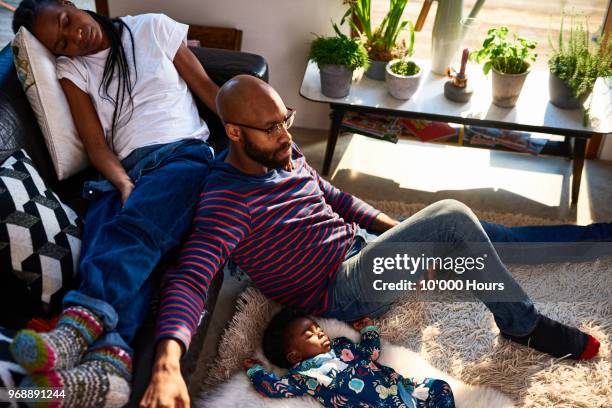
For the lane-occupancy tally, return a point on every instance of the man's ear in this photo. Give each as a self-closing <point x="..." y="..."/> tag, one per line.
<point x="233" y="132"/>
<point x="294" y="357"/>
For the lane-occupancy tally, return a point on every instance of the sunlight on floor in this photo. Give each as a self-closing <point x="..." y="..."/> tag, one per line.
<point x="428" y="167"/>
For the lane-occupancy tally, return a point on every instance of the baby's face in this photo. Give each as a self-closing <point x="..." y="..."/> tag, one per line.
<point x="306" y="339"/>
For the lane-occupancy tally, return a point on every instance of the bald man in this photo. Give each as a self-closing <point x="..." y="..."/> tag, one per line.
<point x="308" y="245"/>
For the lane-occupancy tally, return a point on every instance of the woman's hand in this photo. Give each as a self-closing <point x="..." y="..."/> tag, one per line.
<point x="167" y="388"/>
<point x="363" y="322"/>
<point x="125" y="190"/>
<point x="250" y="362"/>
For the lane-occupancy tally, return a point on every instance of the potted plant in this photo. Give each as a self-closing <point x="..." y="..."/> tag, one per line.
<point x="510" y="61"/>
<point x="382" y="41"/>
<point x="402" y="76"/>
<point x="337" y="58"/>
<point x="575" y="65"/>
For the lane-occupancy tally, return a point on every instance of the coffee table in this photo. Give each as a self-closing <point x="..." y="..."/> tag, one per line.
<point x="532" y="113"/>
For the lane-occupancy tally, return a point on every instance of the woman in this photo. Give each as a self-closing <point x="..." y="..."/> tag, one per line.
<point x="127" y="81"/>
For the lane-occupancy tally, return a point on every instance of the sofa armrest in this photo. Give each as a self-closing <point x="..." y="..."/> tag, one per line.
<point x="222" y="65"/>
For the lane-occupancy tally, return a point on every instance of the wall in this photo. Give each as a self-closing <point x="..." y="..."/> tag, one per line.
<point x="279" y="30"/>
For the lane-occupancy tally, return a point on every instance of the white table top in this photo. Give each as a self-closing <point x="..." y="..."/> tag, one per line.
<point x="533" y="108"/>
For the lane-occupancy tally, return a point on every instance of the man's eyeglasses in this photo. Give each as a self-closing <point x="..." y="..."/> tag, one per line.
<point x="277" y="128"/>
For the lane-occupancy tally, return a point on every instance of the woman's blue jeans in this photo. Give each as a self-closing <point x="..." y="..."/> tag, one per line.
<point x="122" y="245"/>
<point x="449" y="221"/>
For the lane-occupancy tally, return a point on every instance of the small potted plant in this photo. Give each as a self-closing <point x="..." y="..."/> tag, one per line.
<point x="402" y="76"/>
<point x="575" y="65"/>
<point x="381" y="42"/>
<point x="337" y="58"/>
<point x="510" y="61"/>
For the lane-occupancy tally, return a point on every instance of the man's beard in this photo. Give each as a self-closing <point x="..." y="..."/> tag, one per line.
<point x="264" y="157"/>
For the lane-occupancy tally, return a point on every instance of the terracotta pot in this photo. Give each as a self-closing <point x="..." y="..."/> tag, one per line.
<point x="401" y="86"/>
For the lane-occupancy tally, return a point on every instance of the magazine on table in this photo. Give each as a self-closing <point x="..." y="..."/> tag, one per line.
<point x="388" y="127"/>
<point x="511" y="139"/>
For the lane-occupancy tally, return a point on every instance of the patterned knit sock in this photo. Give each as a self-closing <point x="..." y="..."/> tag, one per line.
<point x="101" y="381"/>
<point x="60" y="348"/>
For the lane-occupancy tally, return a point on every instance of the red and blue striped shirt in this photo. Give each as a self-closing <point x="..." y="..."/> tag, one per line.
<point x="289" y="231"/>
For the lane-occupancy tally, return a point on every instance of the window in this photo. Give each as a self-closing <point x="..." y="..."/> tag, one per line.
<point x="535" y="20"/>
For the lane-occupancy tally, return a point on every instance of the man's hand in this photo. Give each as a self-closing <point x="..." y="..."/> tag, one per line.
<point x="361" y="323"/>
<point x="250" y="362"/>
<point x="167" y="388"/>
<point x="383" y="223"/>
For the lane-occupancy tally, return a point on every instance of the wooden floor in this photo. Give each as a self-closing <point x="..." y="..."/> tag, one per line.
<point x="535" y="20"/>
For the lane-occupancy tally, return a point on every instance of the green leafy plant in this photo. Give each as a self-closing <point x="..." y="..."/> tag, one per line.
<point x="578" y="61"/>
<point x="405" y="68"/>
<point x="382" y="41"/>
<point x="505" y="55"/>
<point x="339" y="50"/>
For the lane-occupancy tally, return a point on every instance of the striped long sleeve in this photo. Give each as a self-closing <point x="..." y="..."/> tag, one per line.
<point x="289" y="231"/>
<point x="221" y="222"/>
<point x="347" y="206"/>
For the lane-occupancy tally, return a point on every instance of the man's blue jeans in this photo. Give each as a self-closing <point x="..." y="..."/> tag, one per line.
<point x="452" y="222"/>
<point x="122" y="245"/>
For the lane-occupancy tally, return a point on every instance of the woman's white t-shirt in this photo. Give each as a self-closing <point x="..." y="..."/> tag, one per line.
<point x="164" y="110"/>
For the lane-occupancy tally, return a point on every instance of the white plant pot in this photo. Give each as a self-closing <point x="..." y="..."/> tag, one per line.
<point x="400" y="86"/>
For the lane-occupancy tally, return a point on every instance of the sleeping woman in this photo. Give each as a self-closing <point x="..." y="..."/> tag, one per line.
<point x="129" y="83"/>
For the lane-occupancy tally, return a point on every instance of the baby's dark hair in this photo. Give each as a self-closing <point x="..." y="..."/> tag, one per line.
<point x="117" y="60"/>
<point x="275" y="336"/>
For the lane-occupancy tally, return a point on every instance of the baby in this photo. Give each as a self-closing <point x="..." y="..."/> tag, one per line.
<point x="338" y="372"/>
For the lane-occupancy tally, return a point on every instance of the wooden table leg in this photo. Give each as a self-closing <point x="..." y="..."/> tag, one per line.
<point x="577" y="166"/>
<point x="336" y="116"/>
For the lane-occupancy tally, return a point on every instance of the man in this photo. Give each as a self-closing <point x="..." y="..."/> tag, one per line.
<point x="303" y="242"/>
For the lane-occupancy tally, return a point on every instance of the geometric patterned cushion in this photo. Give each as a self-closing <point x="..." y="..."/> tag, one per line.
<point x="11" y="373"/>
<point x="40" y="240"/>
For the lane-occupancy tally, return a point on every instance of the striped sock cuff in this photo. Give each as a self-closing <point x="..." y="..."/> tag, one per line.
<point x="84" y="320"/>
<point x="115" y="356"/>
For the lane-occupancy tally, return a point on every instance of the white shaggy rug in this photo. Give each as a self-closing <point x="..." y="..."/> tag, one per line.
<point x="458" y="342"/>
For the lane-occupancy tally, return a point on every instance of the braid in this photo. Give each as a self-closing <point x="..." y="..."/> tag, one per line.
<point x="116" y="62"/>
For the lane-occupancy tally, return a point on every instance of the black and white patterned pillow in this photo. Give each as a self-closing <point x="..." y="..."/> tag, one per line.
<point x="39" y="241"/>
<point x="11" y="373"/>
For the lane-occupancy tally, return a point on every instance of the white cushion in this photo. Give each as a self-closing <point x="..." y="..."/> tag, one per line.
<point x="36" y="70"/>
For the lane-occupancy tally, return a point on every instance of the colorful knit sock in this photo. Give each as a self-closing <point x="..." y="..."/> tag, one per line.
<point x="89" y="385"/>
<point x="113" y="359"/>
<point x="60" y="348"/>
<point x="558" y="340"/>
<point x="101" y="380"/>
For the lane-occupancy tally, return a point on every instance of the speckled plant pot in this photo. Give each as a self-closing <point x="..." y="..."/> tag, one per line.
<point x="507" y="88"/>
<point x="401" y="86"/>
<point x="335" y="80"/>
<point x="562" y="96"/>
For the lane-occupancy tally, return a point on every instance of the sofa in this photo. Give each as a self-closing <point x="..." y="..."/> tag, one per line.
<point x="19" y="130"/>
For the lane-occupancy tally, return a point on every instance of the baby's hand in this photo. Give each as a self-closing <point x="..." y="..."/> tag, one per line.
<point x="361" y="323"/>
<point x="250" y="362"/>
